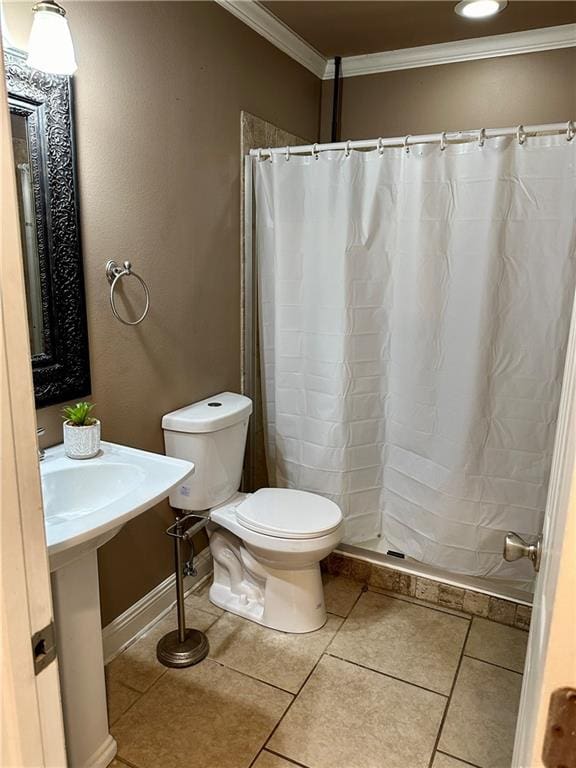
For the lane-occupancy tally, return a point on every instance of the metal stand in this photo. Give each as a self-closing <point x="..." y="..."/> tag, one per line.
<point x="182" y="647"/>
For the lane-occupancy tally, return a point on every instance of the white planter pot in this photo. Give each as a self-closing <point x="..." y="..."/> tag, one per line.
<point x="81" y="442"/>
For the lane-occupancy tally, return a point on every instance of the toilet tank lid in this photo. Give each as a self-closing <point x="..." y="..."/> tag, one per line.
<point x="209" y="415"/>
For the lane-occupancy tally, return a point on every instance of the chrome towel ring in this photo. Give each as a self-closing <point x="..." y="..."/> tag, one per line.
<point x="114" y="273"/>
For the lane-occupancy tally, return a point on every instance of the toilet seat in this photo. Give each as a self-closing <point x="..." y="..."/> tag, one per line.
<point x="288" y="514"/>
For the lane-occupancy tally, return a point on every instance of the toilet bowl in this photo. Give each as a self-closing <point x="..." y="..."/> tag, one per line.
<point x="267" y="545"/>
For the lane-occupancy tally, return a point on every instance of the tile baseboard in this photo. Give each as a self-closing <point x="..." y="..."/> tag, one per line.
<point x="430" y="591"/>
<point x="134" y="622"/>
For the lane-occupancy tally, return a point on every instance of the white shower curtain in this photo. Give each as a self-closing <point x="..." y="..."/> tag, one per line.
<point x="414" y="311"/>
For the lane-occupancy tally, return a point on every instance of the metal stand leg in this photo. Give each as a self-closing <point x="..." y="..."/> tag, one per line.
<point x="182" y="647"/>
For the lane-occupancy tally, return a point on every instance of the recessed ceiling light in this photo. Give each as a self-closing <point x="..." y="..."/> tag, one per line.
<point x="480" y="9"/>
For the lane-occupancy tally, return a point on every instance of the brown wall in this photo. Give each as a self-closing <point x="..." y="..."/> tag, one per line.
<point x="531" y="88"/>
<point x="158" y="95"/>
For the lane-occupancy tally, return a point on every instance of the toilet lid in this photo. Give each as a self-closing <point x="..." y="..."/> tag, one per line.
<point x="289" y="514"/>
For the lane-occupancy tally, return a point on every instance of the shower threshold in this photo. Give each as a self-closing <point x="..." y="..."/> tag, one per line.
<point x="376" y="551"/>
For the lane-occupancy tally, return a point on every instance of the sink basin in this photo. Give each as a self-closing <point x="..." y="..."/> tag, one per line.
<point x="85" y="504"/>
<point x="70" y="493"/>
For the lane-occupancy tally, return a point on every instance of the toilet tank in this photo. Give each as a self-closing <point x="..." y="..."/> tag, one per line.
<point x="212" y="434"/>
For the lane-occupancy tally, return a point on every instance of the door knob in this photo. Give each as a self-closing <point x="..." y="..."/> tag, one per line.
<point x="515" y="547"/>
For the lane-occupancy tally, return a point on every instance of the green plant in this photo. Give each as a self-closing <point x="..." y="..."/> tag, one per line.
<point x="79" y="415"/>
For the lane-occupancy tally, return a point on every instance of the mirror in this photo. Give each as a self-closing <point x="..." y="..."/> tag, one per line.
<point x="29" y="235"/>
<point x="44" y="167"/>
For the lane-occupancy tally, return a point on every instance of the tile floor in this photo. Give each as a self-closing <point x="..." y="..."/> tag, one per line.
<point x="389" y="681"/>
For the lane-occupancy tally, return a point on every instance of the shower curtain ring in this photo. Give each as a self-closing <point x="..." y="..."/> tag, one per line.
<point x="380" y="145"/>
<point x="260" y="158"/>
<point x="442" y="141"/>
<point x="406" y="147"/>
<point x="287" y="155"/>
<point x="315" y="152"/>
<point x="570" y="131"/>
<point x="347" y="148"/>
<point x="520" y="134"/>
<point x="481" y="137"/>
<point x="270" y="154"/>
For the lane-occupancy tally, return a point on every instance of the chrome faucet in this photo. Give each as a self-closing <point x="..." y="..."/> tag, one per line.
<point x="39" y="432"/>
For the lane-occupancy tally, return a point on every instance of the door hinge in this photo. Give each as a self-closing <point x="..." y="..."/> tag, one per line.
<point x="559" y="750"/>
<point x="43" y="647"/>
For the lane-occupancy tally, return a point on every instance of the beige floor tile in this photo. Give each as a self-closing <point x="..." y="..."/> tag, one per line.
<point x="349" y="716"/>
<point x="497" y="643"/>
<point x="268" y="760"/>
<point x="340" y="594"/>
<point x="201" y="601"/>
<point x="206" y="716"/>
<point x="416" y="644"/>
<point x="118" y="697"/>
<point x="481" y="718"/>
<point x="274" y="657"/>
<point x="137" y="667"/>
<point x="445" y="761"/>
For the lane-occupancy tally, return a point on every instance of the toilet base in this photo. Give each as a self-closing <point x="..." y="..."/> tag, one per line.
<point x="292" y="601"/>
<point x="270" y="580"/>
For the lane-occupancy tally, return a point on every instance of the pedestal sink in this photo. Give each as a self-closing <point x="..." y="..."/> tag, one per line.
<point x="85" y="504"/>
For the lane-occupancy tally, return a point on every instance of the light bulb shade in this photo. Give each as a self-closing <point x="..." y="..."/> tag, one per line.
<point x="50" y="47"/>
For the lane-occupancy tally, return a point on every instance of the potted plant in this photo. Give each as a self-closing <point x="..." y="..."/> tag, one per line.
<point x="81" y="431"/>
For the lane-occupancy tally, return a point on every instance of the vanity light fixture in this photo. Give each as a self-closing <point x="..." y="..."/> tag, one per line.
<point x="479" y="9"/>
<point x="50" y="47"/>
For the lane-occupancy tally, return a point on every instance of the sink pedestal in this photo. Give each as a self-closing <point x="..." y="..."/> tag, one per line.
<point x="86" y="503"/>
<point x="79" y="641"/>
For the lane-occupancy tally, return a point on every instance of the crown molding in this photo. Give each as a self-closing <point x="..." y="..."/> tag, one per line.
<point x="261" y="20"/>
<point x="489" y="47"/>
<point x="276" y="32"/>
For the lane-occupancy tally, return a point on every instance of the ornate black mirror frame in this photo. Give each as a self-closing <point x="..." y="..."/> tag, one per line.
<point x="62" y="370"/>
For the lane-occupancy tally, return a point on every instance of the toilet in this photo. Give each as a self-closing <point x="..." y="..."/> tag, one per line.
<point x="266" y="545"/>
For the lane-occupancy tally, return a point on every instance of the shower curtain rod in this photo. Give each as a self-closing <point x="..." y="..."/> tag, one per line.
<point x="444" y="138"/>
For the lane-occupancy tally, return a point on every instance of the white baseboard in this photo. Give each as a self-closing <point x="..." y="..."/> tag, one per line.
<point x="134" y="622"/>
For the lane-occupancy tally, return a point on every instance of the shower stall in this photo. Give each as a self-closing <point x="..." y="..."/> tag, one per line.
<point x="408" y="303"/>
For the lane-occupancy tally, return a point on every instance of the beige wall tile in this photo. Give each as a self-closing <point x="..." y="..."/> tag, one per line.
<point x="427" y="590"/>
<point x="476" y="603"/>
<point x="395" y="581"/>
<point x="336" y="564"/>
<point x="423" y="603"/>
<point x="390" y="580"/>
<point x="523" y="616"/>
<point x="416" y="644"/>
<point x="453" y="597"/>
<point x="345" y="711"/>
<point x="502" y="611"/>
